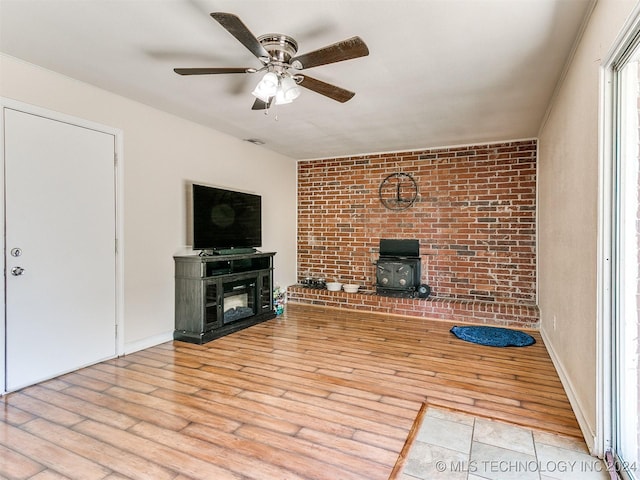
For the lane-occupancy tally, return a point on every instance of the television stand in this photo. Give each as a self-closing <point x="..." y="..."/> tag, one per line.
<point x="217" y="295"/>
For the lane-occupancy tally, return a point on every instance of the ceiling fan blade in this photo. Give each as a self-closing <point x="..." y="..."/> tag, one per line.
<point x="353" y="47"/>
<point x="209" y="71"/>
<point x="239" y="30"/>
<point x="261" y="105"/>
<point x="336" y="93"/>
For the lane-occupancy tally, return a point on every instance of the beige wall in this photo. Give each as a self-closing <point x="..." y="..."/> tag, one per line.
<point x="161" y="153"/>
<point x="568" y="214"/>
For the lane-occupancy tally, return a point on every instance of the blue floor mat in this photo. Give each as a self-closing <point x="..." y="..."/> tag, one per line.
<point x="493" y="336"/>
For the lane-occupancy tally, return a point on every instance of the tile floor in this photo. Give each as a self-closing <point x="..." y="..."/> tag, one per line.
<point x="456" y="446"/>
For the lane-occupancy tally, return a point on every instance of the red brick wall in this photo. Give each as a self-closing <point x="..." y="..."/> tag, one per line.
<point x="474" y="218"/>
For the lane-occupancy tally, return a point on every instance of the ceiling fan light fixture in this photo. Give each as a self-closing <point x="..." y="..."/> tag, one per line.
<point x="288" y="91"/>
<point x="281" y="99"/>
<point x="267" y="87"/>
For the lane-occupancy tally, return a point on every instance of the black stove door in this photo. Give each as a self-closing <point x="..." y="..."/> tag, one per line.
<point x="395" y="275"/>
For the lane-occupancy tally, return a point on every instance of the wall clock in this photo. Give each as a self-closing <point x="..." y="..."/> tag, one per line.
<point x="398" y="191"/>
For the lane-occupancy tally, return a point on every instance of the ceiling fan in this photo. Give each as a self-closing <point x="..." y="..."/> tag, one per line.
<point x="277" y="52"/>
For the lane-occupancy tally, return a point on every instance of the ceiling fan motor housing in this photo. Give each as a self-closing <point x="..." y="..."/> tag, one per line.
<point x="281" y="47"/>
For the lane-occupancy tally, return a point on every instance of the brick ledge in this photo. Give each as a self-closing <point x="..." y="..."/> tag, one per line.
<point x="463" y="311"/>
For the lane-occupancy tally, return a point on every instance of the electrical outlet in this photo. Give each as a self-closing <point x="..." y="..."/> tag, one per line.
<point x="554" y="322"/>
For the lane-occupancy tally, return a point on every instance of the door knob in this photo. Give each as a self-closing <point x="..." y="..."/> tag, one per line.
<point x="17" y="271"/>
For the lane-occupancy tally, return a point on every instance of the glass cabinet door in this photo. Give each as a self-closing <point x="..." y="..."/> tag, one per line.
<point x="211" y="304"/>
<point x="266" y="294"/>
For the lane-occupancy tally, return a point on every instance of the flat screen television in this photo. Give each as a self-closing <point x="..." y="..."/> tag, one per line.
<point x="225" y="219"/>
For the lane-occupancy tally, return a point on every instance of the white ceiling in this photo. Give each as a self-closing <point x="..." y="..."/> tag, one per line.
<point x="440" y="72"/>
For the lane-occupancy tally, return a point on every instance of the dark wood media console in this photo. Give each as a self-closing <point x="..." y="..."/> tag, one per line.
<point x="220" y="294"/>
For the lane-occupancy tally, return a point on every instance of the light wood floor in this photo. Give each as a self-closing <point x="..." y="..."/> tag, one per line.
<point x="314" y="394"/>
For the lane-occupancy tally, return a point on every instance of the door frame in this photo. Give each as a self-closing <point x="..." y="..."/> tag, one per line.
<point x="607" y="237"/>
<point x="7" y="103"/>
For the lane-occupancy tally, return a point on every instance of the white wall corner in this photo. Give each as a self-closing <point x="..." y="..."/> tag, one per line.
<point x="132" y="347"/>
<point x="587" y="430"/>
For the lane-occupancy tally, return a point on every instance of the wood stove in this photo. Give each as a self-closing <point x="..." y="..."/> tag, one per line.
<point x="398" y="268"/>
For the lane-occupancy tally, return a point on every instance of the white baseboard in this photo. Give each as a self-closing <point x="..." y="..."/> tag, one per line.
<point x="587" y="430"/>
<point x="147" y="342"/>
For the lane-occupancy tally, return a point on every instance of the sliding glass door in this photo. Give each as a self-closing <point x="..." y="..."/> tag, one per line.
<point x="625" y="327"/>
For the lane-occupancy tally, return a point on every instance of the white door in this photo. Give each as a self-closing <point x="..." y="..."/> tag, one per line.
<point x="60" y="247"/>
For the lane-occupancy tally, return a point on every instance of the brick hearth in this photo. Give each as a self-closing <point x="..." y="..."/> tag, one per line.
<point x="461" y="311"/>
